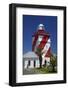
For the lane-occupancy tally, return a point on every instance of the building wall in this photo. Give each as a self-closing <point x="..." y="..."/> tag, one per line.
<point x="26" y="62"/>
<point x="47" y="61"/>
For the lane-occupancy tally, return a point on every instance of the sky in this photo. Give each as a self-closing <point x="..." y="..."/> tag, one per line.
<point x="30" y="24"/>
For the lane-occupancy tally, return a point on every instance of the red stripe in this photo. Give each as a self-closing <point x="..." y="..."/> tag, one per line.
<point x="48" y="54"/>
<point x="34" y="42"/>
<point x="43" y="42"/>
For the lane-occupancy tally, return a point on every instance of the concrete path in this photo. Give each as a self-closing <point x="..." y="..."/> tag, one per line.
<point x="31" y="71"/>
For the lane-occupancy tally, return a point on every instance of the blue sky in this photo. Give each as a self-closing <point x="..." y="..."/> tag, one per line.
<point x="30" y="24"/>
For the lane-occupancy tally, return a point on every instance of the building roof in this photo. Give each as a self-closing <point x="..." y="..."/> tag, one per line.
<point x="30" y="55"/>
<point x="41" y="27"/>
<point x="41" y="31"/>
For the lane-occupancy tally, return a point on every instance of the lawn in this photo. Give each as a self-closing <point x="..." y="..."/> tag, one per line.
<point x="45" y="70"/>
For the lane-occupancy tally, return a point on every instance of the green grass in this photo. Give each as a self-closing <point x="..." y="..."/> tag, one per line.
<point x="44" y="70"/>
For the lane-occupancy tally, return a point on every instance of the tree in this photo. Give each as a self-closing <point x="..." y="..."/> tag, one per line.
<point x="39" y="52"/>
<point x="53" y="62"/>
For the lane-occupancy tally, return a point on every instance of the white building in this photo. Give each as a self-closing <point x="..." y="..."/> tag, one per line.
<point x="30" y="60"/>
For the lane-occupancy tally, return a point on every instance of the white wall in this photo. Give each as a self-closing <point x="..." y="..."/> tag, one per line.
<point x="4" y="37"/>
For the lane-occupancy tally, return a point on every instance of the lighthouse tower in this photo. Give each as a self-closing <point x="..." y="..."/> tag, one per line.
<point x="41" y="39"/>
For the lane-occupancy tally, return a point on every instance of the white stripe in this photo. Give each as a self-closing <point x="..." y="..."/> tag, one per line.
<point x="33" y="40"/>
<point x="38" y="42"/>
<point x="46" y="48"/>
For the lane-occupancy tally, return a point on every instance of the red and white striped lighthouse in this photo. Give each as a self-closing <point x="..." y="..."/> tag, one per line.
<point x="41" y="39"/>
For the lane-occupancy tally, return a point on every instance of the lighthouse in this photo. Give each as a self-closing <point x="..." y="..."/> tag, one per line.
<point x="41" y="39"/>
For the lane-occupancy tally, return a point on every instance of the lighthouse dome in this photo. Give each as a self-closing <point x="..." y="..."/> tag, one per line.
<point x="41" y="27"/>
